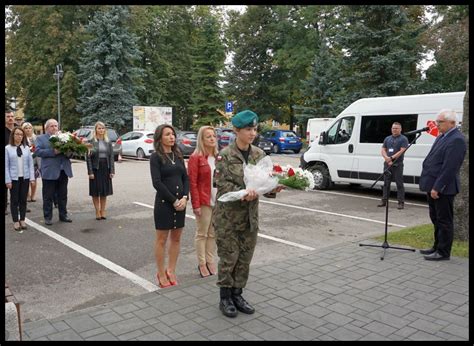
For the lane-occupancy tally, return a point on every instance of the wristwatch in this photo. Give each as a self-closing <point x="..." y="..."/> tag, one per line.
<point x="185" y="197"/>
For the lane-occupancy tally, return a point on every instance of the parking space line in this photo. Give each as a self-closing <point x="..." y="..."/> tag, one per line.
<point x="331" y="213"/>
<point x="366" y="197"/>
<point x="147" y="285"/>
<point x="259" y="234"/>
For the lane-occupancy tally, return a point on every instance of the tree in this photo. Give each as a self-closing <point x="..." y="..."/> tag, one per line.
<point x="208" y="56"/>
<point x="461" y="203"/>
<point x="109" y="79"/>
<point x="381" y="50"/>
<point x="37" y="38"/>
<point x="448" y="38"/>
<point x="252" y="72"/>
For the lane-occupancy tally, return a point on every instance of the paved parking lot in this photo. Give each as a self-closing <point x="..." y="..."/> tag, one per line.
<point x="90" y="264"/>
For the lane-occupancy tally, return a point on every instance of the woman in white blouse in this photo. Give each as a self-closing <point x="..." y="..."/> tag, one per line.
<point x="19" y="171"/>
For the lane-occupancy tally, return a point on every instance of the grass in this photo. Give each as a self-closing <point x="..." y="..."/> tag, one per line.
<point x="421" y="237"/>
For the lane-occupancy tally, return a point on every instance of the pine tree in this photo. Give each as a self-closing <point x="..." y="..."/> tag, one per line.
<point x="109" y="80"/>
<point x="208" y="62"/>
<point x="381" y="51"/>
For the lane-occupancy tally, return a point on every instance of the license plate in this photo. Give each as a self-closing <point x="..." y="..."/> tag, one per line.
<point x="267" y="148"/>
<point x="292" y="142"/>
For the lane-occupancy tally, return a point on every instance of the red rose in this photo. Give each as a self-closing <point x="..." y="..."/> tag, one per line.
<point x="277" y="168"/>
<point x="291" y="172"/>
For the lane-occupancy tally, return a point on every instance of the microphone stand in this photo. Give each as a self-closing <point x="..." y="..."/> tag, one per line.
<point x="388" y="172"/>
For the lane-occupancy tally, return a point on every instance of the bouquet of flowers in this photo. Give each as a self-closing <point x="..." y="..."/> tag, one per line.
<point x="257" y="177"/>
<point x="68" y="144"/>
<point x="295" y="178"/>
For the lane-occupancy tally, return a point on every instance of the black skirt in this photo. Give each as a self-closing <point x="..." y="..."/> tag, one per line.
<point x="101" y="185"/>
<point x="166" y="217"/>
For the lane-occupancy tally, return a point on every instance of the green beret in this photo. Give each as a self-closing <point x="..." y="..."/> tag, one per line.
<point x="245" y="119"/>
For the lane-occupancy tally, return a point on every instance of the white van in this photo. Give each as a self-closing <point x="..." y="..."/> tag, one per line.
<point x="349" y="151"/>
<point x="314" y="127"/>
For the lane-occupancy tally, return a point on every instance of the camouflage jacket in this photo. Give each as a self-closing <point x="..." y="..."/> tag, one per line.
<point x="229" y="176"/>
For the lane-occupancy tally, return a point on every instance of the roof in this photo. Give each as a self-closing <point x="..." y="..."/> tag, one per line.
<point x="410" y="104"/>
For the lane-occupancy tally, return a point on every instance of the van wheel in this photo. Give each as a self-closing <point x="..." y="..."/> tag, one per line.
<point x="322" y="179"/>
<point x="297" y="151"/>
<point x="275" y="149"/>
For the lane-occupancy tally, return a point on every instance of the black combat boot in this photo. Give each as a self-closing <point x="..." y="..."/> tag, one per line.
<point x="240" y="303"/>
<point x="226" y="305"/>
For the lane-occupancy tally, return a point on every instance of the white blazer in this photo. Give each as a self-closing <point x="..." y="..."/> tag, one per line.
<point x="11" y="163"/>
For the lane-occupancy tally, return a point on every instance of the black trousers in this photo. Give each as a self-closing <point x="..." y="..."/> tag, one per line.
<point x="50" y="188"/>
<point x="441" y="215"/>
<point x="397" y="176"/>
<point x="18" y="194"/>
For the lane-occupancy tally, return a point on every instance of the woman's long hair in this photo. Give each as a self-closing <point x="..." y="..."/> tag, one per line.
<point x="200" y="148"/>
<point x="159" y="148"/>
<point x="100" y="123"/>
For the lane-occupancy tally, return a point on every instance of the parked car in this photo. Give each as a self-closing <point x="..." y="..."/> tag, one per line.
<point x="186" y="141"/>
<point x="284" y="140"/>
<point x="137" y="143"/>
<point x="85" y="133"/>
<point x="263" y="144"/>
<point x="224" y="136"/>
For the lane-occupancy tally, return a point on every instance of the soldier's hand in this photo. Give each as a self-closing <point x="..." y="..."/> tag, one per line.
<point x="251" y="195"/>
<point x="197" y="211"/>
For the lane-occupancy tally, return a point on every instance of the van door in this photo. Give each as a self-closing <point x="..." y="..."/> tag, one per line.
<point x="339" y="148"/>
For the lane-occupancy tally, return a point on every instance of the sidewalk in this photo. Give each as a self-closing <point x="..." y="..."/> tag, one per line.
<point x="344" y="292"/>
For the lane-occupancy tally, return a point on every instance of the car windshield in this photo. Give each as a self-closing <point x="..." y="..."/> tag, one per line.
<point x="190" y="135"/>
<point x="289" y="134"/>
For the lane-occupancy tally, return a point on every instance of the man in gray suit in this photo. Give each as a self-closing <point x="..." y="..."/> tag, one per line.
<point x="55" y="173"/>
<point x="440" y="180"/>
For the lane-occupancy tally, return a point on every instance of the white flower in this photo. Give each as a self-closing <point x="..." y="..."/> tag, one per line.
<point x="64" y="137"/>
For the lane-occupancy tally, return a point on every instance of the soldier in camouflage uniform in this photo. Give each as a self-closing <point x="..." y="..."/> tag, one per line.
<point x="236" y="223"/>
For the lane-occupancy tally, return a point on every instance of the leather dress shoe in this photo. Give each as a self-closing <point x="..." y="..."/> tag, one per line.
<point x="401" y="205"/>
<point x="240" y="303"/>
<point x="383" y="203"/>
<point x="427" y="251"/>
<point x="436" y="256"/>
<point x="48" y="222"/>
<point x="65" y="219"/>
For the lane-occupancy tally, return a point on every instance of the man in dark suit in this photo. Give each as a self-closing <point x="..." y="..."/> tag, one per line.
<point x="440" y="180"/>
<point x="55" y="173"/>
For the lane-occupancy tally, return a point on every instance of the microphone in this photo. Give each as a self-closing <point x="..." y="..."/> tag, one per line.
<point x="414" y="132"/>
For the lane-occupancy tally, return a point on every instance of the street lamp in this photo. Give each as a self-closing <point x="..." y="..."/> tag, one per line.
<point x="58" y="75"/>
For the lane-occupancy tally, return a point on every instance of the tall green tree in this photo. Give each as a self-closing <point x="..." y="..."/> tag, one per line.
<point x="322" y="89"/>
<point x="381" y="50"/>
<point x="208" y="55"/>
<point x="109" y="77"/>
<point x="167" y="43"/>
<point x="252" y="72"/>
<point x="37" y="38"/>
<point x="448" y="39"/>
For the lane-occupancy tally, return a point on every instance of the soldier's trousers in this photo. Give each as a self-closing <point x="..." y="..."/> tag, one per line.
<point x="235" y="250"/>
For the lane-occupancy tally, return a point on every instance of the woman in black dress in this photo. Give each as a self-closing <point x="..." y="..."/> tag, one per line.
<point x="170" y="179"/>
<point x="101" y="169"/>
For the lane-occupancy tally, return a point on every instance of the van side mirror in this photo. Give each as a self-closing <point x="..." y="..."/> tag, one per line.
<point x="323" y="138"/>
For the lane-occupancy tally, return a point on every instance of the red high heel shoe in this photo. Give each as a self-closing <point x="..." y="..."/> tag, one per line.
<point x="160" y="284"/>
<point x="173" y="283"/>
